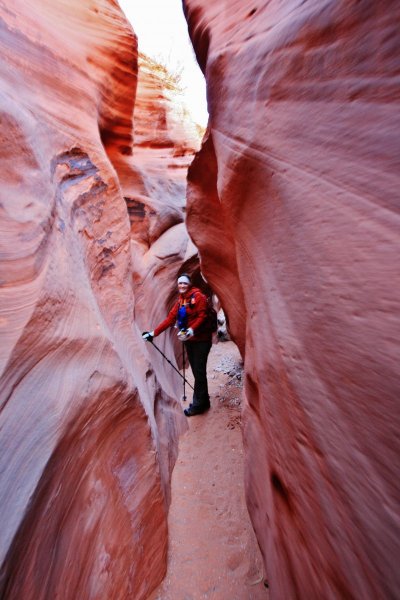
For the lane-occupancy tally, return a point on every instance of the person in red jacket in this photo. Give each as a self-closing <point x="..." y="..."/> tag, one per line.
<point x="189" y="315"/>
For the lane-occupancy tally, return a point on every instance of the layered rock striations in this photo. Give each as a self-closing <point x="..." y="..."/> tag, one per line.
<point x="88" y="436"/>
<point x="302" y="160"/>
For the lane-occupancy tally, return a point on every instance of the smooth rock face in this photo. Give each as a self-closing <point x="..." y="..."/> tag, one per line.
<point x="302" y="160"/>
<point x="88" y="438"/>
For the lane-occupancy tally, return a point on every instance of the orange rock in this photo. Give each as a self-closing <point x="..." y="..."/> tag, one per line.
<point x="299" y="178"/>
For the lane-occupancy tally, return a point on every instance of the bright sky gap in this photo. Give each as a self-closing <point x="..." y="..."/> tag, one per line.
<point x="162" y="34"/>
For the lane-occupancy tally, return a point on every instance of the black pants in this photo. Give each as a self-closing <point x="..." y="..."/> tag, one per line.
<point x="197" y="354"/>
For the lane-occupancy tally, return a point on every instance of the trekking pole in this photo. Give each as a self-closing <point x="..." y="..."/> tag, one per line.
<point x="184" y="380"/>
<point x="175" y="369"/>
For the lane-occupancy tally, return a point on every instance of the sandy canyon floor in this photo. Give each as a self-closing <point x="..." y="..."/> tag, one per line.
<point x="213" y="553"/>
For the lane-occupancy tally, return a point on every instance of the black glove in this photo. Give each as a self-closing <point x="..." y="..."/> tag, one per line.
<point x="148" y="336"/>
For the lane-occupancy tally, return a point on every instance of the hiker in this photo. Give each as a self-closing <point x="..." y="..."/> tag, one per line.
<point x="189" y="315"/>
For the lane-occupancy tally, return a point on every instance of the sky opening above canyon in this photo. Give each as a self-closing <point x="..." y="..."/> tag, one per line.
<point x="162" y="34"/>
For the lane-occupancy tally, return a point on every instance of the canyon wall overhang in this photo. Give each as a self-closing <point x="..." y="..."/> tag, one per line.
<point x="88" y="423"/>
<point x="293" y="202"/>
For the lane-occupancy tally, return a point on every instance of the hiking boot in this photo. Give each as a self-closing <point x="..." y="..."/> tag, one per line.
<point x="195" y="410"/>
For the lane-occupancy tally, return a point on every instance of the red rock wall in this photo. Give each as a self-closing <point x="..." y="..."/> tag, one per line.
<point x="87" y="436"/>
<point x="302" y="162"/>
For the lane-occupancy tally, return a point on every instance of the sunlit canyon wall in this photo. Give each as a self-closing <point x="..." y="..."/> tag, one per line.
<point x="87" y="436"/>
<point x="294" y="205"/>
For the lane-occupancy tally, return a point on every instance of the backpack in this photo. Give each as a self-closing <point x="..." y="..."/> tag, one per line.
<point x="211" y="321"/>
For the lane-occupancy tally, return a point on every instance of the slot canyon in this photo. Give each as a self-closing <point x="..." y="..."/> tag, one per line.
<point x="289" y="206"/>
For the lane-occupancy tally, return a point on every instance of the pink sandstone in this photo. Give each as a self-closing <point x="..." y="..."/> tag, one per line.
<point x="88" y="423"/>
<point x="297" y="182"/>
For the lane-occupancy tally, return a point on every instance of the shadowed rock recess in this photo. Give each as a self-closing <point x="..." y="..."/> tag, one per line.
<point x="293" y="204"/>
<point x="298" y="183"/>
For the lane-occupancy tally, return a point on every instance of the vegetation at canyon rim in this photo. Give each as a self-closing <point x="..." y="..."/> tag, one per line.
<point x="171" y="75"/>
<point x="163" y="35"/>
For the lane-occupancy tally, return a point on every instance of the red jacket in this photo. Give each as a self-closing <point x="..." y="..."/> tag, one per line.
<point x="196" y="307"/>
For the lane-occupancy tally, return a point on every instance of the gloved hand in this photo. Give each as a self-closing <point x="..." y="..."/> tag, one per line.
<point x="148" y="336"/>
<point x="185" y="334"/>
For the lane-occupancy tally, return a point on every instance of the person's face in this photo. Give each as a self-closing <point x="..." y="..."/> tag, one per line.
<point x="183" y="287"/>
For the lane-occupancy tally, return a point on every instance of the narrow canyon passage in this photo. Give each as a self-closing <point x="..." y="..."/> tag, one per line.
<point x="287" y="200"/>
<point x="213" y="552"/>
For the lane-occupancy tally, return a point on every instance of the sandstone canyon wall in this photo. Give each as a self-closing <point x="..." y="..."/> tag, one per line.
<point x="302" y="161"/>
<point x="88" y="437"/>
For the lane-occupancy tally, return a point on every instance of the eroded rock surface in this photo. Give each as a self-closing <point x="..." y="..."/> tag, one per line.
<point x="88" y="438"/>
<point x="293" y="203"/>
